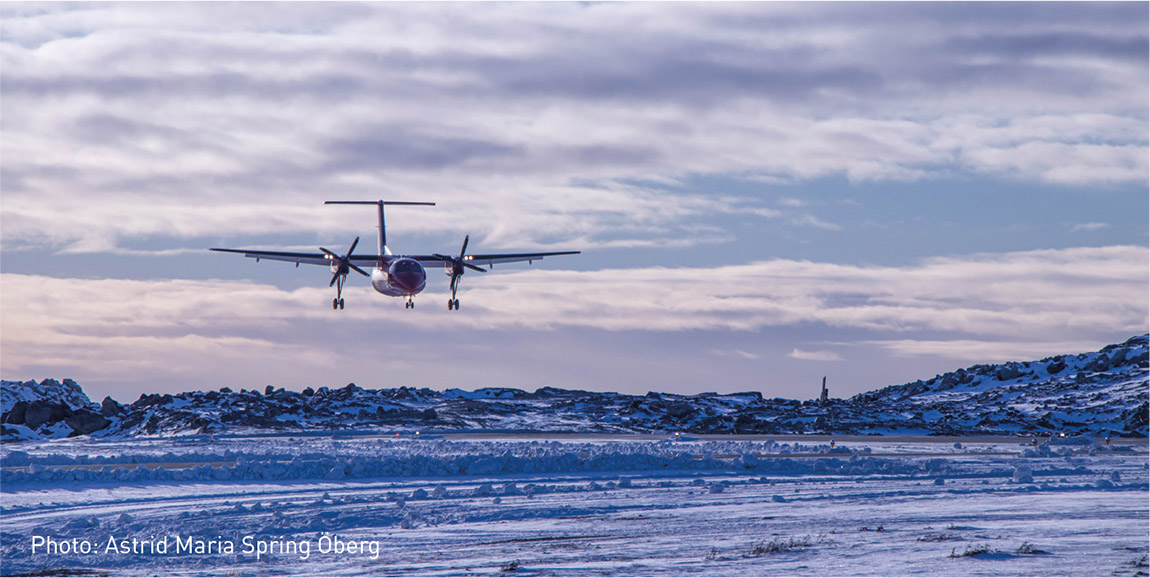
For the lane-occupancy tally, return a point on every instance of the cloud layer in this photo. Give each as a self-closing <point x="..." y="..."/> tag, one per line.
<point x="128" y="120"/>
<point x="693" y="135"/>
<point x="188" y="331"/>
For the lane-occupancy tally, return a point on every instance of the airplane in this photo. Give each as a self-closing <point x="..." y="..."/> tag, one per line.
<point x="394" y="275"/>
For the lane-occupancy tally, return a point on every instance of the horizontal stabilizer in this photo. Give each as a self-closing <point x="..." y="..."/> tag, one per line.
<point x="379" y="202"/>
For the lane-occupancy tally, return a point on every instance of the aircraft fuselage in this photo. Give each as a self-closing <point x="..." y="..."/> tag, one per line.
<point x="398" y="276"/>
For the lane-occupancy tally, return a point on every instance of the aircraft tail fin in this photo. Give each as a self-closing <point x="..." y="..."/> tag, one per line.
<point x="382" y="226"/>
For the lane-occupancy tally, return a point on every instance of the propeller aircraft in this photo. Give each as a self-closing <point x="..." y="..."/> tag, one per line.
<point x="394" y="275"/>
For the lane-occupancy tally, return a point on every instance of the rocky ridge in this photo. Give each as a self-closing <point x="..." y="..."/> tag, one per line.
<point x="1099" y="393"/>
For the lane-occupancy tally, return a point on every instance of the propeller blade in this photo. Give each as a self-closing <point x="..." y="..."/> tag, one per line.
<point x="358" y="270"/>
<point x="333" y="279"/>
<point x="444" y="257"/>
<point x="474" y="268"/>
<point x="353" y="246"/>
<point x="329" y="253"/>
<point x="463" y="251"/>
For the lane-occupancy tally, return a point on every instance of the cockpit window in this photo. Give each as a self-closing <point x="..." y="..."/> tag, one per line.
<point x="407" y="267"/>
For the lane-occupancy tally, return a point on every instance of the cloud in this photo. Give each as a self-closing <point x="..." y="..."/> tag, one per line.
<point x="981" y="351"/>
<point x="205" y="331"/>
<point x="812" y="221"/>
<point x="1065" y="163"/>
<point x="815" y="355"/>
<point x="129" y="120"/>
<point x="1092" y="226"/>
<point x="735" y="353"/>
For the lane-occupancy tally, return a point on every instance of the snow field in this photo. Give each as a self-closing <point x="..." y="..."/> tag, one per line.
<point x="438" y="507"/>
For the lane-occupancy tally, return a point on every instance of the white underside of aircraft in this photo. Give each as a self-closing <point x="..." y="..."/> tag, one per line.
<point x="394" y="275"/>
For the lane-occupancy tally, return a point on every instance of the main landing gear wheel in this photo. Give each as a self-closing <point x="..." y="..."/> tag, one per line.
<point x="453" y="304"/>
<point x="337" y="303"/>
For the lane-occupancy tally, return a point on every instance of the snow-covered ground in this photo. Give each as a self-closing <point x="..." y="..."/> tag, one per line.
<point x="610" y="505"/>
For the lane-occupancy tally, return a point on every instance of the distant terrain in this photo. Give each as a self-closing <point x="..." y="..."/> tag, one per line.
<point x="292" y="474"/>
<point x="1098" y="393"/>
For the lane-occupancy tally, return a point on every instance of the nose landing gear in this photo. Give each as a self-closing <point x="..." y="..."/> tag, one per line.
<point x="409" y="304"/>
<point x="337" y="303"/>
<point x="453" y="303"/>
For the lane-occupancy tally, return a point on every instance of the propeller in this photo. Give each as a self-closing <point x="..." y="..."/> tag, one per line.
<point x="459" y="265"/>
<point x="344" y="263"/>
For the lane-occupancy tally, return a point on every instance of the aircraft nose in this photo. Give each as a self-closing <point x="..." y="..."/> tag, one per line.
<point x="408" y="281"/>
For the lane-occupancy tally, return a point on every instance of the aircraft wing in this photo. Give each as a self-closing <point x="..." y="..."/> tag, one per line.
<point x="492" y="258"/>
<point x="305" y="258"/>
<point x="370" y="260"/>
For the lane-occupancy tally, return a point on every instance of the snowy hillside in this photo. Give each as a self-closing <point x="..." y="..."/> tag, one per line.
<point x="48" y="409"/>
<point x="1088" y="392"/>
<point x="1100" y="393"/>
<point x="68" y="393"/>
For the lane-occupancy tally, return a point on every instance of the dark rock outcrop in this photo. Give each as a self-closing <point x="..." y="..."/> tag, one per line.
<point x="15" y="416"/>
<point x="1056" y="366"/>
<point x="39" y="413"/>
<point x="110" y="407"/>
<point x="84" y="422"/>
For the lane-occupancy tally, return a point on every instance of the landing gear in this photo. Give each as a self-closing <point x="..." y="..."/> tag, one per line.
<point x="453" y="303"/>
<point x="409" y="304"/>
<point x="456" y="267"/>
<point x="337" y="303"/>
<point x="340" y="267"/>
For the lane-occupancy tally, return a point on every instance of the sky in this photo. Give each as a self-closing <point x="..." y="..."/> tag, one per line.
<point x="763" y="193"/>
